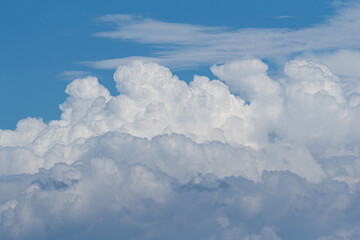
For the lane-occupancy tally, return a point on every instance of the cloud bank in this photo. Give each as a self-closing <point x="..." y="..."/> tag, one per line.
<point x="242" y="157"/>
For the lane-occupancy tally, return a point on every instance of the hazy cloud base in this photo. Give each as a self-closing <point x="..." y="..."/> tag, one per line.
<point x="243" y="157"/>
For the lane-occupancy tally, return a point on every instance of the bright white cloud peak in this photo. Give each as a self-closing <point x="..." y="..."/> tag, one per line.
<point x="185" y="46"/>
<point x="246" y="157"/>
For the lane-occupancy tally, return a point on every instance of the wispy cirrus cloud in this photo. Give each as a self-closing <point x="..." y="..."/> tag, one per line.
<point x="72" y="74"/>
<point x="185" y="45"/>
<point x="284" y="17"/>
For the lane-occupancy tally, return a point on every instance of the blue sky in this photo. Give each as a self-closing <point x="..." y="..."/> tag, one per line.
<point x="180" y="120"/>
<point x="43" y="39"/>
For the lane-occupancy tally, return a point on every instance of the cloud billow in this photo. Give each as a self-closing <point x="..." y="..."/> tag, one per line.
<point x="246" y="157"/>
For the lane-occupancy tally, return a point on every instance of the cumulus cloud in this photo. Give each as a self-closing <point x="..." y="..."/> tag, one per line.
<point x="245" y="156"/>
<point x="343" y="62"/>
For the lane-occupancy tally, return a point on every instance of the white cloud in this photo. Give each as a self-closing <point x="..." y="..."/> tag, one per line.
<point x="284" y="17"/>
<point x="344" y="62"/>
<point x="184" y="45"/>
<point x="169" y="160"/>
<point x="114" y="63"/>
<point x="72" y="74"/>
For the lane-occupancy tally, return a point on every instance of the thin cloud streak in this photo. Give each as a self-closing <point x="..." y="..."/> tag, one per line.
<point x="284" y="17"/>
<point x="185" y="46"/>
<point x="72" y="74"/>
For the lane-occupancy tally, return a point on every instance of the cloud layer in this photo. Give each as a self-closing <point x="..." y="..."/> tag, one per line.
<point x="184" y="45"/>
<point x="245" y="156"/>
